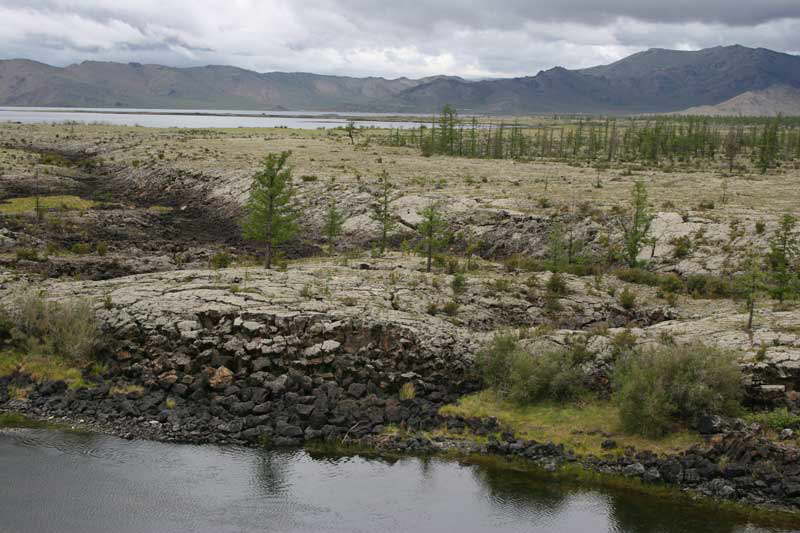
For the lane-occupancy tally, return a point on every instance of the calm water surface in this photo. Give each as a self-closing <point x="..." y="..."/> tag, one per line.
<point x="183" y="118"/>
<point x="52" y="481"/>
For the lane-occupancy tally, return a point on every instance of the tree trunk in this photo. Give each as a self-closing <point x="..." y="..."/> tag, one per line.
<point x="430" y="254"/>
<point x="268" y="256"/>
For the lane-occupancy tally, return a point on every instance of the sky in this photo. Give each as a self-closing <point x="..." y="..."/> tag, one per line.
<point x="388" y="38"/>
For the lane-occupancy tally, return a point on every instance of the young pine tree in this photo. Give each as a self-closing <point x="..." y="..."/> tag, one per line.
<point x="270" y="217"/>
<point x="636" y="227"/>
<point x="332" y="227"/>
<point x="782" y="258"/>
<point x="383" y="196"/>
<point x="431" y="231"/>
<point x="750" y="284"/>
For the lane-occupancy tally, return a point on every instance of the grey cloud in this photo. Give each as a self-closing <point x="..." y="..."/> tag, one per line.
<point x="374" y="37"/>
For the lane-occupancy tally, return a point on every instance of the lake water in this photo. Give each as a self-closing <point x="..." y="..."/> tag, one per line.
<point x="196" y="118"/>
<point x="53" y="481"/>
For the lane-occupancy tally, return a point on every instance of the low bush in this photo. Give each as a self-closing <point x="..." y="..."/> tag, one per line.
<point x="80" y="248"/>
<point x="776" y="420"/>
<point x="66" y="329"/>
<point x="221" y="260"/>
<point x="658" y="387"/>
<point x="525" y="378"/>
<point x="709" y="286"/>
<point x="556" y="284"/>
<point x="27" y="254"/>
<point x="627" y="299"/>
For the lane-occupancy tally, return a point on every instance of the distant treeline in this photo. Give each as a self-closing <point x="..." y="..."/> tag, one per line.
<point x="656" y="140"/>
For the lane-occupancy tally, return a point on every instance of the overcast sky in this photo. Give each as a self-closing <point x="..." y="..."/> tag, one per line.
<point x="391" y="38"/>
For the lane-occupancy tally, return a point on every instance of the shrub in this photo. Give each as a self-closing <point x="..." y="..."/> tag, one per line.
<point x="27" y="254"/>
<point x="683" y="246"/>
<point x="458" y="283"/>
<point x="450" y="308"/>
<point x="80" y="248"/>
<point x="221" y="260"/>
<point x="494" y="361"/>
<point x="66" y="329"/>
<point x="556" y="284"/>
<point x="102" y="249"/>
<point x="657" y="387"/>
<point x="553" y="375"/>
<point x="627" y="299"/>
<point x="709" y="286"/>
<point x="776" y="420"/>
<point x="407" y="391"/>
<point x="525" y="378"/>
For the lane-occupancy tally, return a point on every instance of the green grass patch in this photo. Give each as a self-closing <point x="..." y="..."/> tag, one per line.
<point x="27" y="204"/>
<point x="42" y="368"/>
<point x="568" y="424"/>
<point x="16" y="420"/>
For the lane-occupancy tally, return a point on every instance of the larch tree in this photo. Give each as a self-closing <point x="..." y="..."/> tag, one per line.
<point x="383" y="196"/>
<point x="636" y="226"/>
<point x="431" y="231"/>
<point x="332" y="226"/>
<point x="782" y="258"/>
<point x="271" y="218"/>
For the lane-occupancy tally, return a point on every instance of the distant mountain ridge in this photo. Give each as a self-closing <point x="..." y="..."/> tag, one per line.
<point x="656" y="80"/>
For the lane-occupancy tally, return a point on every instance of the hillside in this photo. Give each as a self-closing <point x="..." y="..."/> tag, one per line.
<point x="779" y="99"/>
<point x="655" y="80"/>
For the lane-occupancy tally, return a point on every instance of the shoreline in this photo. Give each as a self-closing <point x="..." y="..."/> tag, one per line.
<point x="471" y="441"/>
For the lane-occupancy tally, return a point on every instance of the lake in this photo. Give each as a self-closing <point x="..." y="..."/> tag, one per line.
<point x="197" y="118"/>
<point x="55" y="481"/>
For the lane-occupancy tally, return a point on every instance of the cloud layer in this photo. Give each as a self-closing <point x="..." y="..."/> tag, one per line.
<point x="471" y="38"/>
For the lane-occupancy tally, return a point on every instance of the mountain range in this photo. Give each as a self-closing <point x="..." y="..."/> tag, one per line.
<point x="653" y="81"/>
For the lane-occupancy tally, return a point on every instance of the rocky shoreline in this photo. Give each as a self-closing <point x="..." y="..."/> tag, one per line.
<point x="736" y="465"/>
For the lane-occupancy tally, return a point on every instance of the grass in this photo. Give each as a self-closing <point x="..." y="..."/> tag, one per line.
<point x="42" y="368"/>
<point x="566" y="424"/>
<point x="27" y="204"/>
<point x="121" y="390"/>
<point x="15" y="420"/>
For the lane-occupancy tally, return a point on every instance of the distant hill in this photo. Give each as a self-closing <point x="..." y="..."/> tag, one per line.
<point x="655" y="80"/>
<point x="779" y="99"/>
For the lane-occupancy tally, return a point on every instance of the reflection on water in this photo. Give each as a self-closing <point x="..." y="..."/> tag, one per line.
<point x="171" y="118"/>
<point x="56" y="481"/>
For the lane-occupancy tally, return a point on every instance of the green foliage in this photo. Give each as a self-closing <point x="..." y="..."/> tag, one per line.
<point x="556" y="285"/>
<point x="382" y="212"/>
<point x="636" y="226"/>
<point x="750" y="284"/>
<point x="66" y="329"/>
<point x="776" y="420"/>
<point x="80" y="248"/>
<point x="627" y="299"/>
<point x="768" y="145"/>
<point x="270" y="216"/>
<point x="683" y="247"/>
<point x="459" y="282"/>
<point x="709" y="286"/>
<point x="221" y="260"/>
<point x="332" y="225"/>
<point x="431" y="231"/>
<point x="408" y="391"/>
<point x="525" y="378"/>
<point x="658" y="387"/>
<point x="782" y="259"/>
<point x="450" y="308"/>
<point x="27" y="254"/>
